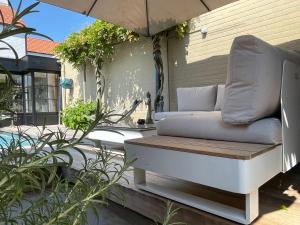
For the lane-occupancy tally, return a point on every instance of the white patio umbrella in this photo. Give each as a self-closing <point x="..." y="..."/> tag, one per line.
<point x="146" y="17"/>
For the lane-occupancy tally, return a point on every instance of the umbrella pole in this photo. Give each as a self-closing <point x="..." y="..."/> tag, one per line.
<point x="159" y="100"/>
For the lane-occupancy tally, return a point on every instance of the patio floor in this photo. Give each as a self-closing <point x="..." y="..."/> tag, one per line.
<point x="279" y="198"/>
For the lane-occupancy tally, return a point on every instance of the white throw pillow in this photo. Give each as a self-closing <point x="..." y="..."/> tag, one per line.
<point x="253" y="83"/>
<point x="220" y="96"/>
<point x="197" y="98"/>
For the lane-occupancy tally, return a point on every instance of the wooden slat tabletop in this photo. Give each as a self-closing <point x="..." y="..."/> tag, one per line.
<point x="226" y="149"/>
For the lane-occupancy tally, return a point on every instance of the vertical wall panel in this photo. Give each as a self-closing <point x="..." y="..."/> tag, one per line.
<point x="199" y="60"/>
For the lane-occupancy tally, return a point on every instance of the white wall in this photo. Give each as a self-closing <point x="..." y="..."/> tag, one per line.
<point x="129" y="76"/>
<point x="68" y="71"/>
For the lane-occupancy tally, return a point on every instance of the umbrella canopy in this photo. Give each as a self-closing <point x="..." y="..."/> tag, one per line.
<point x="146" y="17"/>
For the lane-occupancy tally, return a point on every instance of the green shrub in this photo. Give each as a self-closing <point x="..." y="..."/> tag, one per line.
<point x="78" y="115"/>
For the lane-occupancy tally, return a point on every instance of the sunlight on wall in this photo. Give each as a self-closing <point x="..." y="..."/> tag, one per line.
<point x="129" y="76"/>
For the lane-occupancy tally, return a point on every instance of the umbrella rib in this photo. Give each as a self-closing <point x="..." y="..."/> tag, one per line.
<point x="147" y="17"/>
<point x="205" y="5"/>
<point x="92" y="7"/>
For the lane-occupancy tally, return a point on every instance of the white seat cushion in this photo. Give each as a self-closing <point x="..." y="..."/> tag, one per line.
<point x="209" y="125"/>
<point x="220" y="96"/>
<point x="197" y="98"/>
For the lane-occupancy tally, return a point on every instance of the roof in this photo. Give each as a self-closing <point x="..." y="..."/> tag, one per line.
<point x="41" y="46"/>
<point x="8" y="15"/>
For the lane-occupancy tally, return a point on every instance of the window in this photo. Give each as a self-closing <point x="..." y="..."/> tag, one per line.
<point x="18" y="94"/>
<point x="16" y="100"/>
<point x="28" y="93"/>
<point x="46" y="92"/>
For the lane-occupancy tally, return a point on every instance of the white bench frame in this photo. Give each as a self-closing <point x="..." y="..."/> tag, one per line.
<point x="233" y="175"/>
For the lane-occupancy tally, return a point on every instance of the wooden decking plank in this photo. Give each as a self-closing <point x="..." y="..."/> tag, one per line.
<point x="272" y="197"/>
<point x="226" y="149"/>
<point x="283" y="189"/>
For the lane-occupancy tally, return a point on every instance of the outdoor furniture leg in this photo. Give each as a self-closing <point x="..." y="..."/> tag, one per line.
<point x="252" y="205"/>
<point x="139" y="176"/>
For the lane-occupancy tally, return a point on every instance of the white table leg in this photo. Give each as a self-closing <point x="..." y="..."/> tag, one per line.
<point x="252" y="205"/>
<point x="139" y="176"/>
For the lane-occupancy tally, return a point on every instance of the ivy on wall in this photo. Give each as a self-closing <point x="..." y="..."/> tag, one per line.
<point x="99" y="40"/>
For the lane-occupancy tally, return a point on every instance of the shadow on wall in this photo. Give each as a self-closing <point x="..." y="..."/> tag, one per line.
<point x="212" y="70"/>
<point x="129" y="76"/>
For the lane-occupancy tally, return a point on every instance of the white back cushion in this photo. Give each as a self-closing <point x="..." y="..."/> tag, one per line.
<point x="197" y="98"/>
<point x="220" y="96"/>
<point x="253" y="81"/>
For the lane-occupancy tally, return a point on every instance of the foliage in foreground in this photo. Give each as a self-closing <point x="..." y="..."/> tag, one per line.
<point x="171" y="212"/>
<point x="78" y="115"/>
<point x="34" y="169"/>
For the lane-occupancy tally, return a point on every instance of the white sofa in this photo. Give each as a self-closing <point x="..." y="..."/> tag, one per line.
<point x="262" y="80"/>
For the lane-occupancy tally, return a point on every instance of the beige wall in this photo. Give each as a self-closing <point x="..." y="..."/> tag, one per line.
<point x="129" y="76"/>
<point x="68" y="71"/>
<point x="198" y="61"/>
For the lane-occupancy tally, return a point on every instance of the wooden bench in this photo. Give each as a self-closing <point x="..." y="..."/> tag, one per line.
<point x="229" y="166"/>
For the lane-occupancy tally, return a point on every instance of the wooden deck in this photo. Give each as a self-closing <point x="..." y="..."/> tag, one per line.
<point x="279" y="201"/>
<point x="280" y="192"/>
<point x="226" y="149"/>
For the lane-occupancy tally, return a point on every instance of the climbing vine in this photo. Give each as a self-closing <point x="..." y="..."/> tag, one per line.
<point x="96" y="44"/>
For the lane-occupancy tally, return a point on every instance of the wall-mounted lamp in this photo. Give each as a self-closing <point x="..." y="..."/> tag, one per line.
<point x="204" y="31"/>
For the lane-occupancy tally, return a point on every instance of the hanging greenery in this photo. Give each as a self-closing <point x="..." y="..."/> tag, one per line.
<point x="94" y="44"/>
<point x="181" y="30"/>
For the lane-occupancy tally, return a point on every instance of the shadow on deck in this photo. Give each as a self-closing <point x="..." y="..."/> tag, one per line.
<point x="279" y="200"/>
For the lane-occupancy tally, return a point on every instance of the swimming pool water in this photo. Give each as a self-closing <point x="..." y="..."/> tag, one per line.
<point x="7" y="138"/>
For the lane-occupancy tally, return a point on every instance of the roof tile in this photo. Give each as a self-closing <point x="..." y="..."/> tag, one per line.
<point x="41" y="46"/>
<point x="8" y="15"/>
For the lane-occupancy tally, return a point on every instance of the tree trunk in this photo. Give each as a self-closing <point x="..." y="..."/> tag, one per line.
<point x="158" y="102"/>
<point x="100" y="79"/>
<point x="84" y="82"/>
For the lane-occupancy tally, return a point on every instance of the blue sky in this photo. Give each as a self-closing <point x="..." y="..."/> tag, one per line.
<point x="55" y="22"/>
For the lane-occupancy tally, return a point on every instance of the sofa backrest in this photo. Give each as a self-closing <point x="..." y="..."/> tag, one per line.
<point x="197" y="98"/>
<point x="253" y="85"/>
<point x="220" y="97"/>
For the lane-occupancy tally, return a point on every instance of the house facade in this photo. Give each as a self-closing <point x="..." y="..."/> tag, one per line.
<point x="199" y="59"/>
<point x="37" y="74"/>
